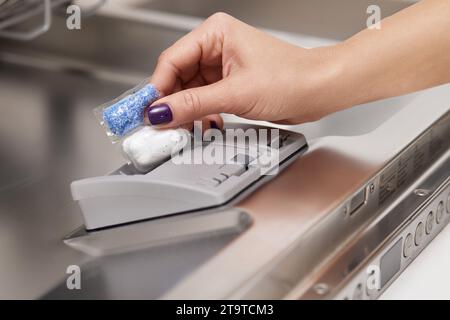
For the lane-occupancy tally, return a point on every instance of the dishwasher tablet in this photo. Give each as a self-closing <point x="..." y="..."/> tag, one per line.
<point x="126" y="113"/>
<point x="148" y="146"/>
<point x="143" y="146"/>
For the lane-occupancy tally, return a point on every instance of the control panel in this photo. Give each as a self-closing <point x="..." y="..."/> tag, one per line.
<point x="400" y="251"/>
<point x="203" y="176"/>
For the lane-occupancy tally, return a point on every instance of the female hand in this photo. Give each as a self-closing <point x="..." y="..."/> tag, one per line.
<point x="225" y="65"/>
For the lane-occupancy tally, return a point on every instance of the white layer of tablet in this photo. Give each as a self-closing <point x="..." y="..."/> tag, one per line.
<point x="148" y="146"/>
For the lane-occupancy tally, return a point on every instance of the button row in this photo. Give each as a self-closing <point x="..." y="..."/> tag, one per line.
<point x="425" y="229"/>
<point x="223" y="174"/>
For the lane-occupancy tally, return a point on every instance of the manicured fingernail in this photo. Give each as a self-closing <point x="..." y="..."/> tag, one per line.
<point x="159" y="114"/>
<point x="213" y="125"/>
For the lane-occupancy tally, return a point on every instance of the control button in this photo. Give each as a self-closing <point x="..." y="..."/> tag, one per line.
<point x="408" y="245"/>
<point x="420" y="234"/>
<point x="448" y="204"/>
<point x="208" y="182"/>
<point x="221" y="178"/>
<point x="232" y="169"/>
<point x="440" y="212"/>
<point x="430" y="223"/>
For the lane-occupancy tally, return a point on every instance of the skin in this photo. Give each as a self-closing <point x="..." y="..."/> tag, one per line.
<point x="225" y="65"/>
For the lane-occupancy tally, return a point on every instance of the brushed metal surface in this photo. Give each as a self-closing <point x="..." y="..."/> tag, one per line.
<point x="309" y="194"/>
<point x="321" y="18"/>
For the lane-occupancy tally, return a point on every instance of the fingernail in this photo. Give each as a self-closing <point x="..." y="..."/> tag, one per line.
<point x="159" y="114"/>
<point x="213" y="125"/>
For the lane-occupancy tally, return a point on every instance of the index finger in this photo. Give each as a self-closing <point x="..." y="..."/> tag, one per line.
<point x="181" y="61"/>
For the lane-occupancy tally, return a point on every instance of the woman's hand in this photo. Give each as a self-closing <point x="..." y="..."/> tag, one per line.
<point x="225" y="65"/>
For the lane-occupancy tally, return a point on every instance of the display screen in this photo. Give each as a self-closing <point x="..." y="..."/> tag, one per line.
<point x="390" y="262"/>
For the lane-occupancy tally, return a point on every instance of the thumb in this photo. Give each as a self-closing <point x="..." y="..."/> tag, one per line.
<point x="191" y="104"/>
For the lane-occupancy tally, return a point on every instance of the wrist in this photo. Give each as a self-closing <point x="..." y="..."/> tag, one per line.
<point x="323" y="88"/>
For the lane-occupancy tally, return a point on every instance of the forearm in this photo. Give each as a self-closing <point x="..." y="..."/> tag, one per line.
<point x="410" y="52"/>
<point x="225" y="65"/>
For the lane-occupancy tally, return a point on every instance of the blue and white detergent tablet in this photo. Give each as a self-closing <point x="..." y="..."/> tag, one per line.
<point x="127" y="114"/>
<point x="143" y="146"/>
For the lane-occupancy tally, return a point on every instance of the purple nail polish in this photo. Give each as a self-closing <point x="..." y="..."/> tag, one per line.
<point x="213" y="125"/>
<point x="159" y="114"/>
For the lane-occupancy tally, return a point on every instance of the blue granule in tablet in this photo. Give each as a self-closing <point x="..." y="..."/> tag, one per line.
<point x="128" y="113"/>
